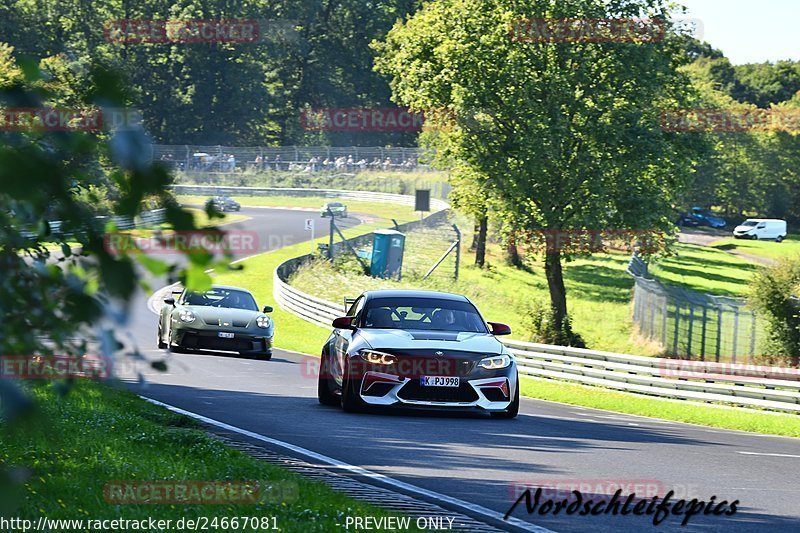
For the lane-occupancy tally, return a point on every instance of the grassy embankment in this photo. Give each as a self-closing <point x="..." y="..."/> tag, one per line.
<point x="765" y="249"/>
<point x="97" y="434"/>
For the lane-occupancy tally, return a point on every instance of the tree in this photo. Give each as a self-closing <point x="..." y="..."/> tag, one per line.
<point x="773" y="294"/>
<point x="61" y="285"/>
<point x="566" y="134"/>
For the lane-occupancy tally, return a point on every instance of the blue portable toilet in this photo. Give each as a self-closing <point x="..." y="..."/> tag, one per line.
<point x="388" y="246"/>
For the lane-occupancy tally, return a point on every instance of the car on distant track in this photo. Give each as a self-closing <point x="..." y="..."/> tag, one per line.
<point x="418" y="349"/>
<point x="222" y="318"/>
<point x="225" y="203"/>
<point x="338" y="209"/>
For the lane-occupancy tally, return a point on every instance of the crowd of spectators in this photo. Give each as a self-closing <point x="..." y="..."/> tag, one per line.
<point x="225" y="162"/>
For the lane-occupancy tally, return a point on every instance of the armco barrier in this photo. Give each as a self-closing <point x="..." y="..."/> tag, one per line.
<point x="367" y="196"/>
<point x="145" y="219"/>
<point x="670" y="378"/>
<point x="741" y="385"/>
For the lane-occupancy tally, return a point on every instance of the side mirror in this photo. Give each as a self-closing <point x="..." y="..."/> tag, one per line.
<point x="499" y="329"/>
<point x="345" y="322"/>
<point x="169" y="301"/>
<point x="268" y="309"/>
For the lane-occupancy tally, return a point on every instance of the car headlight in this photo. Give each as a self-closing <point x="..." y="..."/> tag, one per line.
<point x="495" y="362"/>
<point x="262" y="322"/>
<point x="377" y="358"/>
<point x="187" y="316"/>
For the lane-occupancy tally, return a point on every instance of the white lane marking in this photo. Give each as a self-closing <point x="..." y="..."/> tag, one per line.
<point x="475" y="508"/>
<point x="771" y="454"/>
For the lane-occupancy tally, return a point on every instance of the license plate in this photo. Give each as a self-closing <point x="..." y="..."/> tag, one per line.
<point x="439" y="381"/>
<point x="225" y="335"/>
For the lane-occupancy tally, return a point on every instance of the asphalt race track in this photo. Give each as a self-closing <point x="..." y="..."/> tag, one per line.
<point x="471" y="457"/>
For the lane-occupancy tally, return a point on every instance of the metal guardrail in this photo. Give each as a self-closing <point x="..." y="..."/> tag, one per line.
<point x="368" y="196"/>
<point x="742" y="385"/>
<point x="145" y="219"/>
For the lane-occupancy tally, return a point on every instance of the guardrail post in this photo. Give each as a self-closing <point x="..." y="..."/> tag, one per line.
<point x="458" y="249"/>
<point x="735" y="332"/>
<point x="719" y="332"/>
<point x="677" y="323"/>
<point x="752" y="336"/>
<point x="703" y="334"/>
<point x="330" y="238"/>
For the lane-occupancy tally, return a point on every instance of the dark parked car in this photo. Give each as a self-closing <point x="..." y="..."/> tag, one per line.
<point x="418" y="349"/>
<point x="222" y="318"/>
<point x="225" y="203"/>
<point x="707" y="218"/>
<point x="688" y="220"/>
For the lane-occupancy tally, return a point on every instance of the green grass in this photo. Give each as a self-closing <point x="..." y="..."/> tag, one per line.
<point x="707" y="415"/>
<point x="598" y="288"/>
<point x="78" y="443"/>
<point x="705" y="269"/>
<point x="766" y="249"/>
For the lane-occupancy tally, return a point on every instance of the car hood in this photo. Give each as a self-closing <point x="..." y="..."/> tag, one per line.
<point x="220" y="316"/>
<point x="743" y="228"/>
<point x="398" y="339"/>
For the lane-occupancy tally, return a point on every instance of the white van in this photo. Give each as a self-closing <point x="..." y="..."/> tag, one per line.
<point x="761" y="229"/>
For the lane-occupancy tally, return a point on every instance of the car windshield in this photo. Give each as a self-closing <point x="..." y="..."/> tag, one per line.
<point x="750" y="223"/>
<point x="334" y="205"/>
<point x="216" y="297"/>
<point x="422" y="314"/>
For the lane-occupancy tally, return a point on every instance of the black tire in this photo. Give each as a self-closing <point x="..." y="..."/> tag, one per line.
<point x="173" y="348"/>
<point x="325" y="384"/>
<point x="351" y="402"/>
<point x="779" y="239"/>
<point x="260" y="356"/>
<point x="161" y="344"/>
<point x="513" y="409"/>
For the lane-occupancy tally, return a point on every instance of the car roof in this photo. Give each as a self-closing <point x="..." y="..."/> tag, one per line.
<point x="412" y="293"/>
<point x="766" y="220"/>
<point x="230" y="287"/>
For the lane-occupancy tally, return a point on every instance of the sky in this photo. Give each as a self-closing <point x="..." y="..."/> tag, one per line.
<point x="749" y="31"/>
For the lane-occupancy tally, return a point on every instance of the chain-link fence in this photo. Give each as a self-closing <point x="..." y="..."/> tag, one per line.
<point x="433" y="251"/>
<point x="691" y="324"/>
<point x="232" y="159"/>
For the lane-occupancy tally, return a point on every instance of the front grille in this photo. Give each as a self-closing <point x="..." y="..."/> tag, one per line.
<point x="414" y="391"/>
<point x="414" y="367"/>
<point x="217" y="343"/>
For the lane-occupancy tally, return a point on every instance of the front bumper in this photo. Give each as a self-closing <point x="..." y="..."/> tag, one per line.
<point x="488" y="393"/>
<point x="202" y="339"/>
